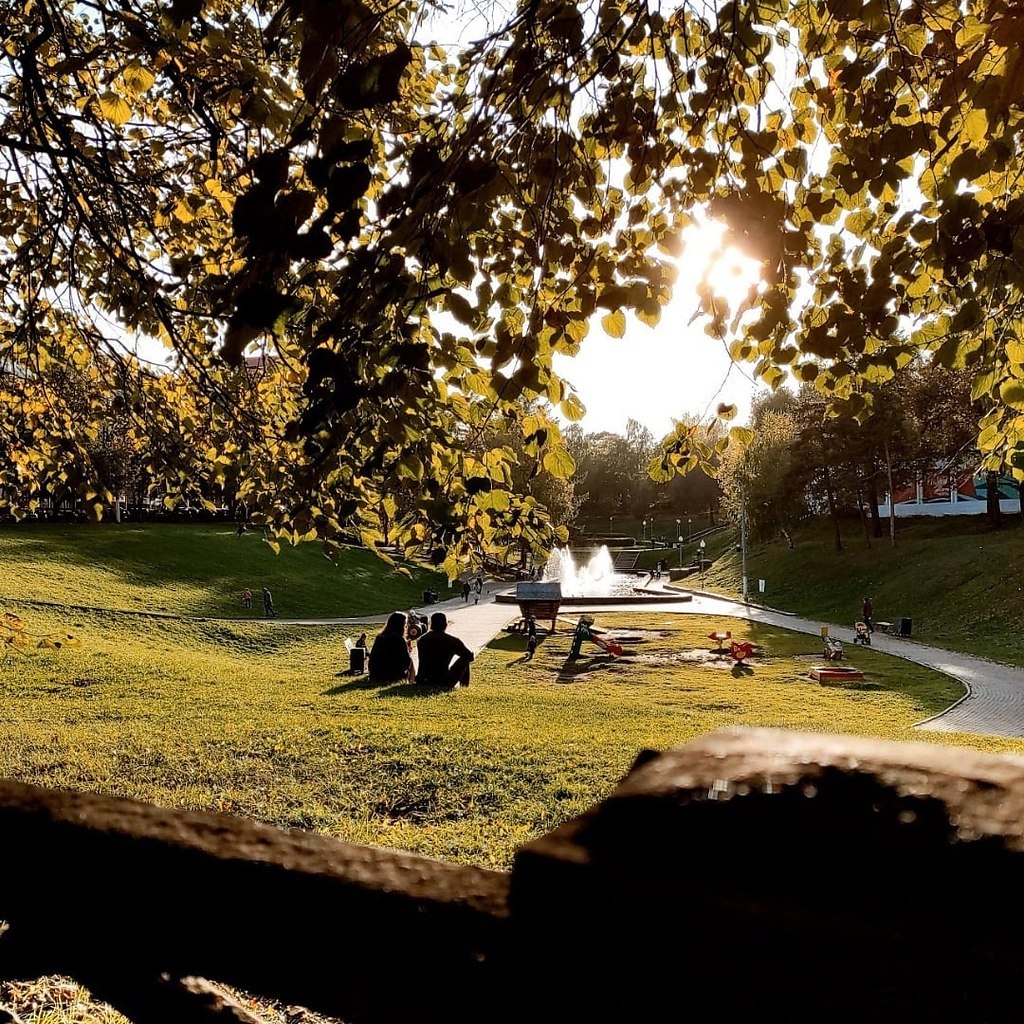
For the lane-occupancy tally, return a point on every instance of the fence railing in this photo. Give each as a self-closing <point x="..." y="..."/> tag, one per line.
<point x="755" y="875"/>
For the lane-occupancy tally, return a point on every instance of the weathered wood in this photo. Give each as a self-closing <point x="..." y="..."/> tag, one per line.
<point x="749" y="875"/>
<point x="145" y="1001"/>
<point x="354" y="932"/>
<point x="166" y="1000"/>
<point x="783" y="875"/>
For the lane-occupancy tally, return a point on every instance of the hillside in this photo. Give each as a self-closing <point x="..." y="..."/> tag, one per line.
<point x="959" y="581"/>
<point x="198" y="569"/>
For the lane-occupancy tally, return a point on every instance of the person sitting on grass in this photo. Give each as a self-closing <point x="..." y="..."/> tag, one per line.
<point x="390" y="661"/>
<point x="437" y="649"/>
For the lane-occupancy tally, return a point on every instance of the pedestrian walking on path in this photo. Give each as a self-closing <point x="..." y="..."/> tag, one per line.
<point x="247" y="598"/>
<point x="867" y="611"/>
<point x="268" y="604"/>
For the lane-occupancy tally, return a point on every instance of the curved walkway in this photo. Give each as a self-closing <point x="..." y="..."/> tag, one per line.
<point x="992" y="704"/>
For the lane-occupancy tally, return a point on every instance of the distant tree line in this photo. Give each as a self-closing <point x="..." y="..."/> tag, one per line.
<point x="613" y="475"/>
<point x="798" y="461"/>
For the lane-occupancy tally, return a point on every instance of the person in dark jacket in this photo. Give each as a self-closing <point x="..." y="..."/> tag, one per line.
<point x="444" y="659"/>
<point x="867" y="614"/>
<point x="531" y="636"/>
<point x="390" y="661"/>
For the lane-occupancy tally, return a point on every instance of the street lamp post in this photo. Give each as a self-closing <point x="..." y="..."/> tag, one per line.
<point x="689" y="529"/>
<point x="700" y="555"/>
<point x="679" y="541"/>
<point x="643" y="534"/>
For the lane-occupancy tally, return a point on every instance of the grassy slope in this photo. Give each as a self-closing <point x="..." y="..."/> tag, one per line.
<point x="195" y="570"/>
<point x="257" y="720"/>
<point x="959" y="581"/>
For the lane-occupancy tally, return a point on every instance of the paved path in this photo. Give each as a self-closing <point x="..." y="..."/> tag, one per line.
<point x="994" y="699"/>
<point x="993" y="702"/>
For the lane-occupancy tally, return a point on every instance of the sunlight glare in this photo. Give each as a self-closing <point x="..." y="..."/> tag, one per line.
<point x="725" y="269"/>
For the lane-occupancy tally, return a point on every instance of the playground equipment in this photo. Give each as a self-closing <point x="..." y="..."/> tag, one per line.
<point x="741" y="650"/>
<point x="585" y="631"/>
<point x="833" y="673"/>
<point x="540" y="601"/>
<point x="720" y="636"/>
<point x="832" y="647"/>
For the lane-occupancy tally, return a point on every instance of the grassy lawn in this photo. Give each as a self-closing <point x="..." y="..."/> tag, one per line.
<point x="196" y="569"/>
<point x="959" y="581"/>
<point x="259" y="720"/>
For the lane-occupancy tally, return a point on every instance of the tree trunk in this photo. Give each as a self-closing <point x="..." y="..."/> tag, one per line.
<point x="832" y="510"/>
<point x="892" y="495"/>
<point x="872" y="496"/>
<point x="992" y="509"/>
<point x="863" y="517"/>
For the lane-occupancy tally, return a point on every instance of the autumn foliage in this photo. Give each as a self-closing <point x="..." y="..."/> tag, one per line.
<point x="412" y="232"/>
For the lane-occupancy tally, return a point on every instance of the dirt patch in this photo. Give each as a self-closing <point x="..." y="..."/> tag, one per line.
<point x="695" y="656"/>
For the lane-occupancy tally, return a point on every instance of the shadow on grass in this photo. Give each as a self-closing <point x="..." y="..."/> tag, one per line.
<point x="508" y="642"/>
<point x="854" y="684"/>
<point x="739" y="670"/>
<point x="361" y="682"/>
<point x="413" y="690"/>
<point x="572" y="669"/>
<point x="385" y="689"/>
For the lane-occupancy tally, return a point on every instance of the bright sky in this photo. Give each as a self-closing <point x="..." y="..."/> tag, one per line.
<point x="674" y="370"/>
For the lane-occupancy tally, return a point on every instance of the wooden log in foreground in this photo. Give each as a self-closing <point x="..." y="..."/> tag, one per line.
<point x="754" y="874"/>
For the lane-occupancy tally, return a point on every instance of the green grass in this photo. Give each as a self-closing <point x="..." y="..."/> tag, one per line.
<point x="959" y="581"/>
<point x="258" y="720"/>
<point x="196" y="569"/>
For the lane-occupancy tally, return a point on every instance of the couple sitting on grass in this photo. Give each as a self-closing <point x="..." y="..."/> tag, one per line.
<point x="443" y="659"/>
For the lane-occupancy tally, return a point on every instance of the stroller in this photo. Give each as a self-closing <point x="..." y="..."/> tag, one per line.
<point x="862" y="635"/>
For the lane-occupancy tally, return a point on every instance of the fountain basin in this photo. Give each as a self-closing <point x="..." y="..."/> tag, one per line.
<point x="629" y="593"/>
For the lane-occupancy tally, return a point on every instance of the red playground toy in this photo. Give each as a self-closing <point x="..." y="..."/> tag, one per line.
<point x="741" y="650"/>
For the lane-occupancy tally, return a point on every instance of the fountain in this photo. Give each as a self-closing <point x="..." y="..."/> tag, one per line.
<point x="595" y="578"/>
<point x="593" y="581"/>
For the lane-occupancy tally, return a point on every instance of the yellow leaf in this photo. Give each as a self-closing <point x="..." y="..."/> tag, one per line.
<point x="976" y="124"/>
<point x="572" y="408"/>
<point x="1012" y="393"/>
<point x="559" y="463"/>
<point x="138" y="78"/>
<point x="114" y="108"/>
<point x="649" y="315"/>
<point x="614" y="324"/>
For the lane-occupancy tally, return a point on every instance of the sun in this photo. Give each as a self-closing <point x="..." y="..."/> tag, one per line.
<point x="725" y="269"/>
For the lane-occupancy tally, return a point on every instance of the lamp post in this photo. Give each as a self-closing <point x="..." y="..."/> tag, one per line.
<point x="700" y="555"/>
<point x="611" y="519"/>
<point x="689" y="529"/>
<point x="643" y="534"/>
<point x="679" y="541"/>
<point x="743" y="546"/>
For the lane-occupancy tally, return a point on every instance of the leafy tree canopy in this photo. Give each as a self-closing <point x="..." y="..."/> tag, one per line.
<point x="315" y="178"/>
